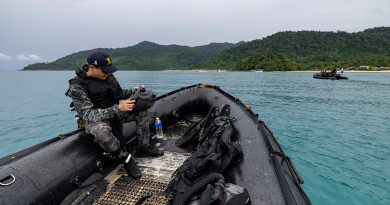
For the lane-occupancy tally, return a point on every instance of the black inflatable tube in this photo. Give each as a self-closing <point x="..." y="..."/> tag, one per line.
<point x="44" y="176"/>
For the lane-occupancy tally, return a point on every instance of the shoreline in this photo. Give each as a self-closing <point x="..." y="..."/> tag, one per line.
<point x="345" y="71"/>
<point x="222" y="71"/>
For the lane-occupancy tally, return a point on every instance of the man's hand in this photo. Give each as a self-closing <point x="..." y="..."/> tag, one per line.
<point x="126" y="105"/>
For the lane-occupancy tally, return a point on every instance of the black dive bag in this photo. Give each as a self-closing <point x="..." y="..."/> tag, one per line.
<point x="145" y="98"/>
<point x="202" y="172"/>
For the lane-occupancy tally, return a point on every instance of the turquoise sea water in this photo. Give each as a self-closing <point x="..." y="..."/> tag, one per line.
<point x="336" y="132"/>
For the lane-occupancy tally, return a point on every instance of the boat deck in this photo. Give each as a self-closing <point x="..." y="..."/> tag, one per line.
<point x="156" y="172"/>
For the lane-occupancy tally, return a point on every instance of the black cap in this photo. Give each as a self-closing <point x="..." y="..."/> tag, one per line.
<point x="103" y="60"/>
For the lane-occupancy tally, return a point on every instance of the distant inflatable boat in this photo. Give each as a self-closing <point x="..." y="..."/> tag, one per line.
<point x="72" y="169"/>
<point x="330" y="77"/>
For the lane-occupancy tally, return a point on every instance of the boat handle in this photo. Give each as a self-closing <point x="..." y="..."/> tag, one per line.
<point x="9" y="183"/>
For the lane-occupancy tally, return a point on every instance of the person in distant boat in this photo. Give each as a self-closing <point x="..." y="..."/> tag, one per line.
<point x="99" y="99"/>
<point x="334" y="72"/>
<point x="342" y="71"/>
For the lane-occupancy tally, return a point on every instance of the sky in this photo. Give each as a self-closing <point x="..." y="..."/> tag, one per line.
<point x="34" y="31"/>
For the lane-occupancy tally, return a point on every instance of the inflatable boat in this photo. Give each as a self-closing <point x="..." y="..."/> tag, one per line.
<point x="72" y="169"/>
<point x="329" y="76"/>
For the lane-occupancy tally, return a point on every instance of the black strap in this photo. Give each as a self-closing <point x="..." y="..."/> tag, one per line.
<point x="290" y="166"/>
<point x="77" y="195"/>
<point x="142" y="199"/>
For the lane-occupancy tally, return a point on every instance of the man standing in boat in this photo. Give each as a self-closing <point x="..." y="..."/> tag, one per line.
<point x="99" y="99"/>
<point x="333" y="72"/>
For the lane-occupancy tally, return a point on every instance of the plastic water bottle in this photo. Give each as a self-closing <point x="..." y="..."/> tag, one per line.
<point x="158" y="126"/>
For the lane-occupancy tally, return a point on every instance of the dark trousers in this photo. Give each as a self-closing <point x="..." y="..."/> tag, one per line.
<point x="102" y="131"/>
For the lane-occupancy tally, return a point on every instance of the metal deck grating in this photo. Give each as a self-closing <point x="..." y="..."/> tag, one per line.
<point x="127" y="191"/>
<point x="156" y="175"/>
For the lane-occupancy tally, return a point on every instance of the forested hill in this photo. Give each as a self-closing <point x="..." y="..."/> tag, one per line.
<point x="309" y="50"/>
<point x="301" y="50"/>
<point x="143" y="56"/>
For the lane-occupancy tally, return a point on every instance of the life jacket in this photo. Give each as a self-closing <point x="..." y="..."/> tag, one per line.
<point x="102" y="93"/>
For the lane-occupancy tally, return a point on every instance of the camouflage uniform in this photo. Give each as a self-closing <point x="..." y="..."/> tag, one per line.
<point x="97" y="119"/>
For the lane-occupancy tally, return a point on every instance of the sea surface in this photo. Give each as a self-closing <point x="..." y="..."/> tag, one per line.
<point x="336" y="132"/>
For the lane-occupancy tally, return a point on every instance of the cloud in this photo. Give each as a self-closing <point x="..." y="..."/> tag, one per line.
<point x="4" y="57"/>
<point x="30" y="57"/>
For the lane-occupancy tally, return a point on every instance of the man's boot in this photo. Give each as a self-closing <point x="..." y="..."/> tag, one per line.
<point x="132" y="168"/>
<point x="143" y="133"/>
<point x="149" y="152"/>
<point x="129" y="164"/>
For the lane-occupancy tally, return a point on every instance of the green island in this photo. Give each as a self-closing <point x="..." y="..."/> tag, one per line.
<point x="282" y="51"/>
